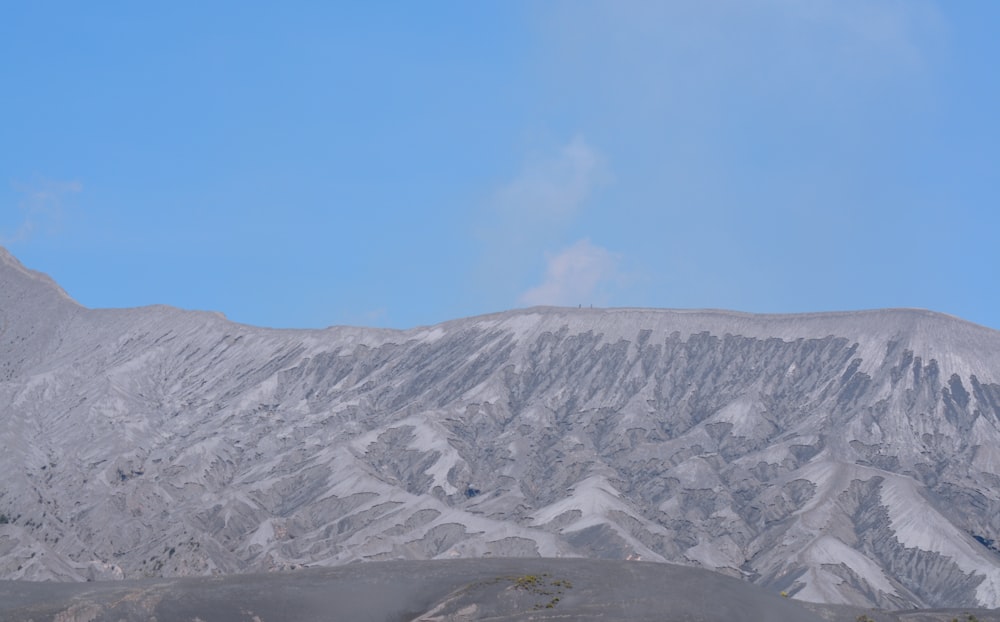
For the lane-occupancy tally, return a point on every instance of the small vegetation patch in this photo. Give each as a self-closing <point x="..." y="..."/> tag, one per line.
<point x="543" y="585"/>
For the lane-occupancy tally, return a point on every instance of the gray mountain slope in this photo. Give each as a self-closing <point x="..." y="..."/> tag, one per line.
<point x="840" y="457"/>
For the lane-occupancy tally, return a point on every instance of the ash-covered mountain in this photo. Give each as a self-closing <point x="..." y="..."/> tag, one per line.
<point x="839" y="457"/>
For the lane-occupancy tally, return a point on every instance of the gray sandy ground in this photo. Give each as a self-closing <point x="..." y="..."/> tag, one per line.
<point x="495" y="589"/>
<point x="846" y="613"/>
<point x="451" y="590"/>
<point x="441" y="591"/>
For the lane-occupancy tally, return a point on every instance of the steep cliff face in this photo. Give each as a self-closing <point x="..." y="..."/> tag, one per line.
<point x="841" y="457"/>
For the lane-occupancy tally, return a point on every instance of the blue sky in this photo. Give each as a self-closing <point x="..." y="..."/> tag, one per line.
<point x="399" y="164"/>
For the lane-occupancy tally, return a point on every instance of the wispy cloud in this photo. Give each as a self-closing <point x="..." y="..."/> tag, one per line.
<point x="669" y="58"/>
<point x="42" y="208"/>
<point x="865" y="32"/>
<point x="533" y="212"/>
<point x="550" y="190"/>
<point x="579" y="274"/>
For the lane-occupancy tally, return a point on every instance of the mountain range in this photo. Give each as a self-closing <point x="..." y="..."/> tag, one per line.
<point x="841" y="458"/>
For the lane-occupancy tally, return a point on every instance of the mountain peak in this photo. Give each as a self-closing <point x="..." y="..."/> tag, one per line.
<point x="15" y="279"/>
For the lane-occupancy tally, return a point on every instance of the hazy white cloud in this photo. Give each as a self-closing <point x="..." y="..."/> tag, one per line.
<point x="376" y="317"/>
<point x="728" y="114"/>
<point x="550" y="189"/>
<point x="42" y="207"/>
<point x="533" y="211"/>
<point x="867" y="32"/>
<point x="663" y="58"/>
<point x="579" y="274"/>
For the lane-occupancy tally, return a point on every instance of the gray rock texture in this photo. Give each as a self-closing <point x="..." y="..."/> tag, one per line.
<point x="844" y="458"/>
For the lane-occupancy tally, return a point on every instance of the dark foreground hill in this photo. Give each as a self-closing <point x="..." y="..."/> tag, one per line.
<point x="440" y="591"/>
<point x="449" y="590"/>
<point x="844" y="458"/>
